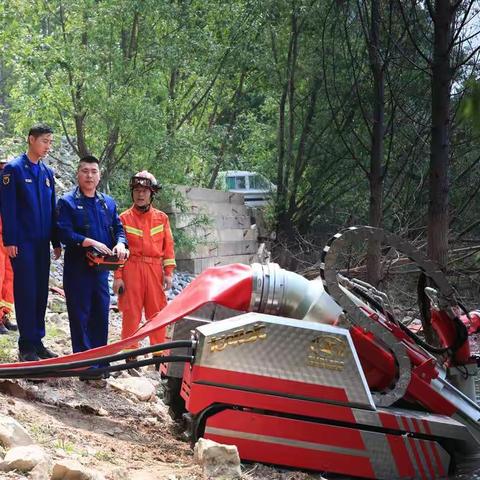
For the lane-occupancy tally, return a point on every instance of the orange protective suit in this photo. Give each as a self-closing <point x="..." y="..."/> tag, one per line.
<point x="6" y="279"/>
<point x="152" y="255"/>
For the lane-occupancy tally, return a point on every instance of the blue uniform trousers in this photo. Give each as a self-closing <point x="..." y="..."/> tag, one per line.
<point x="31" y="269"/>
<point x="88" y="301"/>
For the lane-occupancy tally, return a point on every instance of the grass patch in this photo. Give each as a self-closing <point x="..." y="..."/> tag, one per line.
<point x="8" y="348"/>
<point x="55" y="332"/>
<point x="64" y="445"/>
<point x="42" y="433"/>
<point x="103" y="456"/>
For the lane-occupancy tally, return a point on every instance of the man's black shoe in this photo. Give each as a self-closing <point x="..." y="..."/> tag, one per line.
<point x="43" y="352"/>
<point x="86" y="378"/>
<point x="28" y="356"/>
<point x="3" y="329"/>
<point x="9" y="325"/>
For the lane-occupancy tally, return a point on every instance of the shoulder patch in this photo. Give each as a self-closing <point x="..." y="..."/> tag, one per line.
<point x="6" y="178"/>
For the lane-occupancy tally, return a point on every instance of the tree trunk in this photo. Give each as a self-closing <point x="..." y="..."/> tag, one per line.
<point x="231" y="124"/>
<point x="300" y="160"/>
<point x="437" y="229"/>
<point x="437" y="222"/>
<point x="281" y="191"/>
<point x="172" y="94"/>
<point x="79" y="119"/>
<point x="283" y="223"/>
<point x="376" y="152"/>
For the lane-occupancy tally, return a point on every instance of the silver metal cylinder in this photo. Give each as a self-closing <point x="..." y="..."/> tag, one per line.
<point x="279" y="292"/>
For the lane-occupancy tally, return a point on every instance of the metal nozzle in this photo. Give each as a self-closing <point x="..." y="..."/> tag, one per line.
<point x="279" y="292"/>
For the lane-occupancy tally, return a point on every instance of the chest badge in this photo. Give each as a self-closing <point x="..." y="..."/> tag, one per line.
<point x="28" y="180"/>
<point x="6" y="179"/>
<point x="47" y="181"/>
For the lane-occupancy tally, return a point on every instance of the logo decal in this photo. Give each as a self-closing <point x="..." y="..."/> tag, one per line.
<point x="28" y="180"/>
<point x="6" y="179"/>
<point x="327" y="351"/>
<point x="47" y="181"/>
<point x="238" y="337"/>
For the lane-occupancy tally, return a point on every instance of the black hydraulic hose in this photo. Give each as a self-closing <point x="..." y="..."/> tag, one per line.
<point x="19" y="372"/>
<point x="460" y="329"/>
<point x="95" y="373"/>
<point x="413" y="336"/>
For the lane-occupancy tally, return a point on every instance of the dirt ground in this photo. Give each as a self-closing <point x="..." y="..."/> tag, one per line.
<point x="105" y="429"/>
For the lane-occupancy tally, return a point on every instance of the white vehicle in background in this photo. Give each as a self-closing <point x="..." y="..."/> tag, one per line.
<point x="256" y="190"/>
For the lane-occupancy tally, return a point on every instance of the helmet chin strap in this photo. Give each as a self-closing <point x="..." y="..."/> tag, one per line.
<point x="144" y="208"/>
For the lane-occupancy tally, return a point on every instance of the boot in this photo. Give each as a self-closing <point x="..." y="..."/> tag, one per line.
<point x="3" y="329"/>
<point x="44" y="352"/>
<point x="9" y="324"/>
<point x="28" y="356"/>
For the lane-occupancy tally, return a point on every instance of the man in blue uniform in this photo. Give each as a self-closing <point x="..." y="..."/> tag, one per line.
<point x="27" y="199"/>
<point x="87" y="218"/>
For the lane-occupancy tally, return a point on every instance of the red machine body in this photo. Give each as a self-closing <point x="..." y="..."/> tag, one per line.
<point x="397" y="410"/>
<point x="277" y="427"/>
<point x="318" y="426"/>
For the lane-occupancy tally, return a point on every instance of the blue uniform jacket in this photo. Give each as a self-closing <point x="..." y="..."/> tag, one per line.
<point x="27" y="203"/>
<point x="76" y="221"/>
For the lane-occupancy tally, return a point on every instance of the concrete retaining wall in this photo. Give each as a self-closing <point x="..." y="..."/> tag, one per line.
<point x="230" y="236"/>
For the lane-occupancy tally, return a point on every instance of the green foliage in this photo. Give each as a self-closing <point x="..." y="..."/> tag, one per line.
<point x="470" y="107"/>
<point x="188" y="89"/>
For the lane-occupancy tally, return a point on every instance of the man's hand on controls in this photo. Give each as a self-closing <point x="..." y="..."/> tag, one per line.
<point x="101" y="247"/>
<point x="120" y="251"/>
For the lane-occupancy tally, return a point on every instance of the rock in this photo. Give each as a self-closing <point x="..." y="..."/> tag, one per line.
<point x="120" y="474"/>
<point x="53" y="318"/>
<point x="141" y="387"/>
<point x="217" y="461"/>
<point x="13" y="388"/>
<point x="150" y="421"/>
<point x="51" y="397"/>
<point x="73" y="470"/>
<point x="12" y="434"/>
<point x="24" y="458"/>
<point x="42" y="471"/>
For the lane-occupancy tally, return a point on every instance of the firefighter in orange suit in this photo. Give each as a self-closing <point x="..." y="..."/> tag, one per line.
<point x="6" y="283"/>
<point x="140" y="284"/>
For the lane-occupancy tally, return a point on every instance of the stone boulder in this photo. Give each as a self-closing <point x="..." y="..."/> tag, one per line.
<point x="141" y="387"/>
<point x="24" y="459"/>
<point x="12" y="434"/>
<point x="218" y="461"/>
<point x="73" y="470"/>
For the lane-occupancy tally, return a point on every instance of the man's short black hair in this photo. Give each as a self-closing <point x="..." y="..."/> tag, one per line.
<point x="40" y="129"/>
<point x="89" y="159"/>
